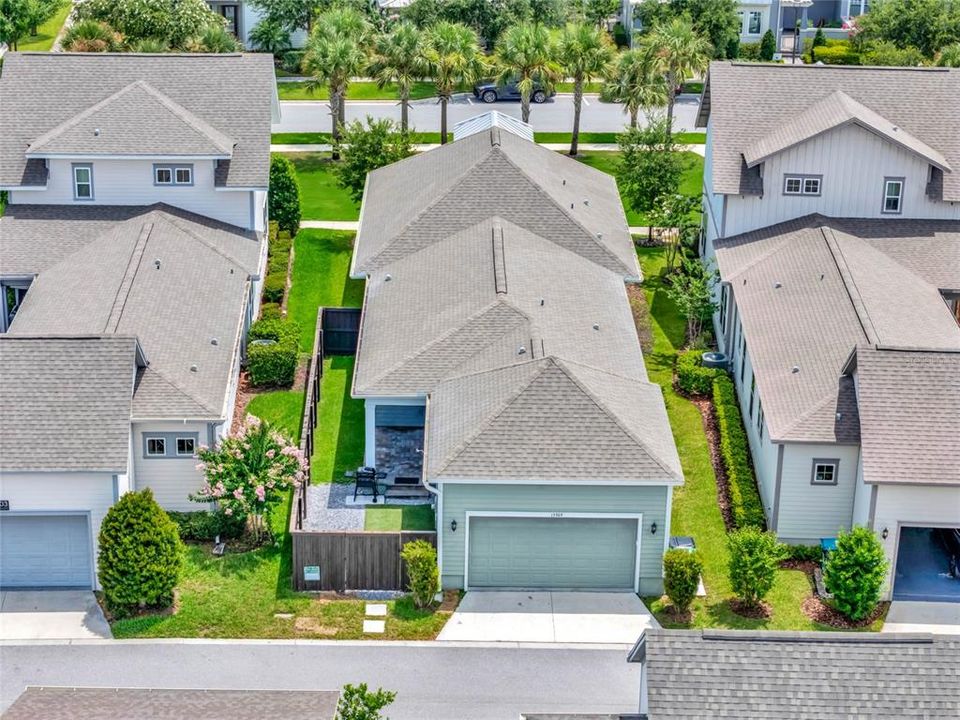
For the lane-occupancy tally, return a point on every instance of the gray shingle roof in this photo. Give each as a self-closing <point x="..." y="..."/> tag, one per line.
<point x="909" y="406"/>
<point x="65" y="703"/>
<point x="842" y="283"/>
<point x="205" y="101"/>
<point x="704" y="674"/>
<point x="66" y="401"/>
<point x="760" y="105"/>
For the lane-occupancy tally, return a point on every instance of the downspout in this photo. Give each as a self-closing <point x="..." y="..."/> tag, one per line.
<point x="426" y="434"/>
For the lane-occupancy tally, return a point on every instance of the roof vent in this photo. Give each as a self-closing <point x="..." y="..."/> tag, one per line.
<point x="596" y="326"/>
<point x="564" y="181"/>
<point x="388" y="277"/>
<point x="193" y="368"/>
<point x="821" y="276"/>
<point x="777" y="285"/>
<point x="571" y="206"/>
<point x="541" y="302"/>
<point x="599" y="236"/>
<point x="96" y="132"/>
<point x="839" y="416"/>
<point x="214" y="341"/>
<point x="521" y="350"/>
<point x="586" y="201"/>
<point x="795" y="369"/>
<point x="156" y="263"/>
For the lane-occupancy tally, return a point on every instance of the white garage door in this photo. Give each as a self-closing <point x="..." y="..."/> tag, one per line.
<point x="552" y="553"/>
<point x="45" y="551"/>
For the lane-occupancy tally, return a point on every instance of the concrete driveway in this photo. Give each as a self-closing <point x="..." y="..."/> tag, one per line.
<point x="939" y="618"/>
<point x="51" y="615"/>
<point x="549" y="617"/>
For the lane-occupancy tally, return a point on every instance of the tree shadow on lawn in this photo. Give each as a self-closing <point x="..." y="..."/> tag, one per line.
<point x="665" y="311"/>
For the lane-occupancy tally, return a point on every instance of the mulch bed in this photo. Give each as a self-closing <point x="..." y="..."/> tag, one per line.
<point x="762" y="611"/>
<point x="705" y="406"/>
<point x="451" y="598"/>
<point x="807" y="566"/>
<point x="818" y="611"/>
<point x="149" y="611"/>
<point x="245" y="393"/>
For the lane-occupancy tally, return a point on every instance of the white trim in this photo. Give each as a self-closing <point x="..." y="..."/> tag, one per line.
<point x="95" y="156"/>
<point x="440" y="531"/>
<point x="551" y="515"/>
<point x="560" y="481"/>
<point x="666" y="530"/>
<point x="22" y="188"/>
<point x="221" y="188"/>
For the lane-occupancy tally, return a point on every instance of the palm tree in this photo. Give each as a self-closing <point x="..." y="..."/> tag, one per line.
<point x="454" y="57"/>
<point x="525" y="55"/>
<point x="585" y="51"/>
<point x="678" y="51"/>
<point x="335" y="53"/>
<point x="398" y="57"/>
<point x="636" y="83"/>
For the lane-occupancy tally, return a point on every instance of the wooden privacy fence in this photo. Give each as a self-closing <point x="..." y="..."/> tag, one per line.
<point x="352" y="560"/>
<point x="339" y="330"/>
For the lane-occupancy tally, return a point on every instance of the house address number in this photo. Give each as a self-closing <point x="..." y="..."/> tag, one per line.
<point x="556" y="514"/>
<point x="4" y="504"/>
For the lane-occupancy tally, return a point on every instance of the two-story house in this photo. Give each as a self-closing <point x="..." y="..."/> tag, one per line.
<point x="832" y="212"/>
<point x="131" y="254"/>
<point x="242" y="16"/>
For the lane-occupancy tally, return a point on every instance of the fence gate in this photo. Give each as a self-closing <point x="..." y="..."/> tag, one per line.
<point x="341" y="330"/>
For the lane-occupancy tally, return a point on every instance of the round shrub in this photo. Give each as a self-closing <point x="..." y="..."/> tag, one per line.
<point x="855" y="572"/>
<point x="273" y="362"/>
<point x="681" y="577"/>
<point x="692" y="377"/>
<point x="140" y="554"/>
<point x="270" y="311"/>
<point x="768" y="46"/>
<point x="283" y="200"/>
<point x="421" y="559"/>
<point x="754" y="559"/>
<point x="275" y="286"/>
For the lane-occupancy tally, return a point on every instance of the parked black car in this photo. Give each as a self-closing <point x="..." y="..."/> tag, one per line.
<point x="491" y="92"/>
<point x="950" y="537"/>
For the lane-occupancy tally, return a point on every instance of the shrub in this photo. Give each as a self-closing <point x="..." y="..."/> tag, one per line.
<point x="140" y="554"/>
<point x="91" y="36"/>
<point x="754" y="559"/>
<point x="949" y="56"/>
<point x="886" y="53"/>
<point x="213" y="39"/>
<point x="810" y="553"/>
<point x="421" y="559"/>
<point x="734" y="451"/>
<point x="270" y="311"/>
<point x="681" y="577"/>
<point x="291" y="60"/>
<point x="620" y="37"/>
<point x="366" y="147"/>
<point x="692" y="377"/>
<point x="170" y="20"/>
<point x="855" y="572"/>
<point x="202" y="525"/>
<point x="749" y="51"/>
<point x="273" y="363"/>
<point x="836" y="55"/>
<point x="278" y="263"/>
<point x="768" y="46"/>
<point x="283" y="199"/>
<point x="274" y="286"/>
<point x="279" y="330"/>
<point x="359" y="703"/>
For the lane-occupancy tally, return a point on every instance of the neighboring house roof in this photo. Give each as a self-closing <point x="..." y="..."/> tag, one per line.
<point x="180" y="103"/>
<point x="764" y="674"/>
<point x="493" y="119"/>
<point x="909" y="405"/>
<point x="431" y="196"/>
<point x="164" y="276"/>
<point x="136" y="120"/>
<point x="66" y="703"/>
<point x="755" y="109"/>
<point x="811" y="290"/>
<point x="65" y="403"/>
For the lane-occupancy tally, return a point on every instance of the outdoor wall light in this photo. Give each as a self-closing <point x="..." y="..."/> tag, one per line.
<point x="653" y="529"/>
<point x="884" y="533"/>
<point x="453" y="526"/>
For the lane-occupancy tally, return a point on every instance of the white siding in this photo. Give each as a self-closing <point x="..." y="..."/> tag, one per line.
<point x="80" y="491"/>
<point x="853" y="163"/>
<point x="746" y="8"/>
<point x="713" y="202"/>
<point x="809" y="512"/>
<point x="862" y="498"/>
<point x="171" y="479"/>
<point x="917" y="505"/>
<point x="130" y="182"/>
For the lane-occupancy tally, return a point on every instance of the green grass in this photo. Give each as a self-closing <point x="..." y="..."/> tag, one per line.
<point x="360" y="90"/>
<point x="695" y="509"/>
<point x="338" y="441"/>
<point x="46" y="33"/>
<point x="399" y="517"/>
<point x="283" y="409"/>
<point x="691" y="182"/>
<point x="322" y="261"/>
<point x="323" y="138"/>
<point x="321" y="196"/>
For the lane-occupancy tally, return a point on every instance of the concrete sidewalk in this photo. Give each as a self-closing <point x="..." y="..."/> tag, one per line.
<point x="939" y="618"/>
<point x="51" y="615"/>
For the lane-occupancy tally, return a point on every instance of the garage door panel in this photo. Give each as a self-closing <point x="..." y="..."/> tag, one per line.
<point x="44" y="551"/>
<point x="552" y="553"/>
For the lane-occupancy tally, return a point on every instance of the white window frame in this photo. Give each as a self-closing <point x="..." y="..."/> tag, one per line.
<point x="816" y="190"/>
<point x="174" y="171"/>
<point x="759" y="16"/>
<point x="818" y="463"/>
<point x="186" y="169"/>
<point x="887" y="182"/>
<point x="801" y="184"/>
<point x="163" y="446"/>
<point x="162" y="169"/>
<point x="192" y="452"/>
<point x="77" y="183"/>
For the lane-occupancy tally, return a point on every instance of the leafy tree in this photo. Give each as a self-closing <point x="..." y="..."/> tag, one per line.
<point x="681" y="577"/>
<point x="488" y="18"/>
<point x="291" y="15"/>
<point x="214" y="39"/>
<point x="649" y="166"/>
<point x="949" y="56"/>
<point x="398" y="57"/>
<point x="421" y="559"/>
<point x="754" y="559"/>
<point x="269" y="35"/>
<point x="927" y="25"/>
<point x="250" y="472"/>
<point x="526" y="55"/>
<point x="336" y="52"/>
<point x="886" y="53"/>
<point x="454" y="57"/>
<point x="283" y="199"/>
<point x="678" y="52"/>
<point x="92" y="36"/>
<point x="768" y="46"/>
<point x="39" y="11"/>
<point x="716" y="20"/>
<point x="368" y="147"/>
<point x="14" y="21"/>
<point x="359" y="703"/>
<point x="692" y="292"/>
<point x="636" y="83"/>
<point x="598" y="12"/>
<point x="680" y="214"/>
<point x="140" y="554"/>
<point x="855" y="572"/>
<point x="585" y="52"/>
<point x="172" y="20"/>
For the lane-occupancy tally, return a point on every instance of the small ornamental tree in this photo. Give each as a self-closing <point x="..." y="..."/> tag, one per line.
<point x="681" y="577"/>
<point x="359" y="703"/>
<point x="768" y="46"/>
<point x="248" y="473"/>
<point x="421" y="559"/>
<point x="140" y="555"/>
<point x="650" y="165"/>
<point x="754" y="559"/>
<point x="283" y="200"/>
<point x="855" y="572"/>
<point x="692" y="291"/>
<point x="368" y="147"/>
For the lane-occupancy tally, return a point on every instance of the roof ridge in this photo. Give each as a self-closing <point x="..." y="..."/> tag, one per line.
<point x="850" y="285"/>
<point x="220" y="139"/>
<point x="126" y="283"/>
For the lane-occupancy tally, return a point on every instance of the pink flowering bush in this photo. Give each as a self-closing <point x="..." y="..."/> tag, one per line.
<point x="249" y="472"/>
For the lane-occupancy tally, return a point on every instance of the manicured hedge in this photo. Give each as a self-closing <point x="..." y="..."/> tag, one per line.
<point x="274" y="287"/>
<point x="270" y="311"/>
<point x="274" y="363"/>
<point x="203" y="525"/>
<point x="692" y="377"/>
<point x="836" y="55"/>
<point x="735" y="452"/>
<point x="803" y="552"/>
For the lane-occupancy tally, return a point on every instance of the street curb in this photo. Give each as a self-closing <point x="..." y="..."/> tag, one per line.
<point x="444" y="644"/>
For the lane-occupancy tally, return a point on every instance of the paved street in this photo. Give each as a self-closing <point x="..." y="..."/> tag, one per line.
<point x="556" y="115"/>
<point x="433" y="681"/>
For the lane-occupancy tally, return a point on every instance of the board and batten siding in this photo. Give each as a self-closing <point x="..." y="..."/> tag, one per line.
<point x="130" y="182"/>
<point x="809" y="512"/>
<point x="60" y="492"/>
<point x="853" y="163"/>
<point x="649" y="500"/>
<point x="172" y="480"/>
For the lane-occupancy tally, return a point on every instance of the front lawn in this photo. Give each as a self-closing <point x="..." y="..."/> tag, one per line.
<point x="695" y="509"/>
<point x="321" y="196"/>
<point x="360" y="90"/>
<point x="46" y="33"/>
<point x="399" y="517"/>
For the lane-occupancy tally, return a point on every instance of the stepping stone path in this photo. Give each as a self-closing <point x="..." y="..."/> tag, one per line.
<point x="376" y="610"/>
<point x="374" y="626"/>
